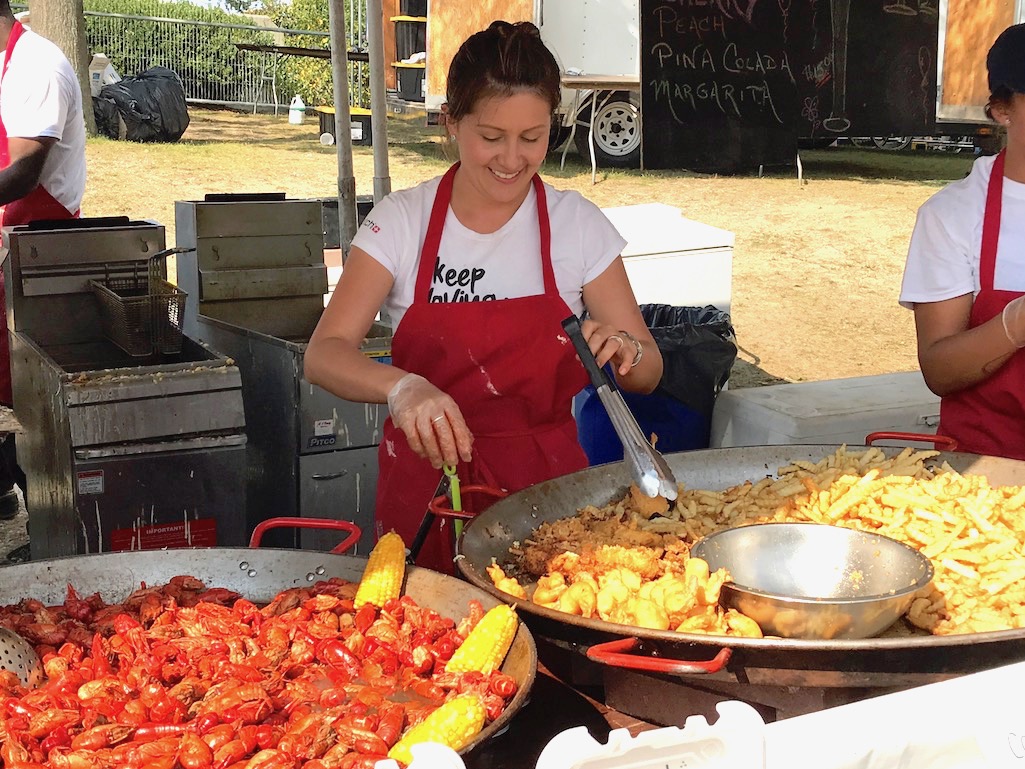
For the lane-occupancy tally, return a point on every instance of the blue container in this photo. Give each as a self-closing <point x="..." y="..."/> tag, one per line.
<point x="677" y="427"/>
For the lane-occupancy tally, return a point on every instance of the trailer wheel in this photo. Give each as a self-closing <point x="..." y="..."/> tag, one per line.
<point x="617" y="130"/>
<point x="892" y="143"/>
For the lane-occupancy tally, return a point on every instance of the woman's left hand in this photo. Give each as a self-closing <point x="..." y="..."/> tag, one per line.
<point x="609" y="343"/>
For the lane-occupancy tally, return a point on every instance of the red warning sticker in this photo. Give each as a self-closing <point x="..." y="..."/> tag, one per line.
<point x="201" y="533"/>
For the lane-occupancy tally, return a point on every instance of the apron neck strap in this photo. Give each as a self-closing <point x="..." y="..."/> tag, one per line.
<point x="16" y="32"/>
<point x="436" y="224"/>
<point x="551" y="289"/>
<point x="991" y="224"/>
<point x="429" y="251"/>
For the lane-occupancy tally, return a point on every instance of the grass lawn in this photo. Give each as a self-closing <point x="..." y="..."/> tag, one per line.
<point x="817" y="265"/>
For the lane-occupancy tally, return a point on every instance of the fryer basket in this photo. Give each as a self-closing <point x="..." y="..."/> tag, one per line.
<point x="142" y="313"/>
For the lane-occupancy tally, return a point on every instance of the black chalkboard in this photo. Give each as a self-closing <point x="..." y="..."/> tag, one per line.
<point x="891" y="67"/>
<point x="728" y="85"/>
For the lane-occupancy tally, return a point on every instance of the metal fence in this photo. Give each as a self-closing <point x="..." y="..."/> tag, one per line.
<point x="204" y="53"/>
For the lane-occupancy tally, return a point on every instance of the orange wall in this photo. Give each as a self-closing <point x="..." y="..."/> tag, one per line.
<point x="450" y="22"/>
<point x="972" y="26"/>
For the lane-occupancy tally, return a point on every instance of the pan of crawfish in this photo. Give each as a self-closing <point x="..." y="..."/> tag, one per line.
<point x="258" y="575"/>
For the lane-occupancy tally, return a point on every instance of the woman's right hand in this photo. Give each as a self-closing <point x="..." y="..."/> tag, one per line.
<point x="431" y="420"/>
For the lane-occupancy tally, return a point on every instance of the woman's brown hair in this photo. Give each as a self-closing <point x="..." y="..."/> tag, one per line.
<point x="1002" y="95"/>
<point x="502" y="60"/>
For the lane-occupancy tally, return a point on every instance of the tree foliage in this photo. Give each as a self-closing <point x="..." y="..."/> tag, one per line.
<point x="205" y="57"/>
<point x="307" y="77"/>
<point x="311" y="78"/>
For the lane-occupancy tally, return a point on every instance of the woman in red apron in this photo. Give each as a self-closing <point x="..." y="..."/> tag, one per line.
<point x="970" y="345"/>
<point x="480" y="379"/>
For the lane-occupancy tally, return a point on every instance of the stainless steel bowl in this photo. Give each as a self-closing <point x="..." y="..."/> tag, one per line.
<point x="808" y="580"/>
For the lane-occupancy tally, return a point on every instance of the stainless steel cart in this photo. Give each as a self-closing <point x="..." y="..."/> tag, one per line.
<point x="120" y="452"/>
<point x="256" y="268"/>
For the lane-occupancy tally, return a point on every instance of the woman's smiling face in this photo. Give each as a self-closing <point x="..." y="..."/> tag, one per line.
<point x="502" y="143"/>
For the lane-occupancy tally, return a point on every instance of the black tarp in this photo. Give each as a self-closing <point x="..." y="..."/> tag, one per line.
<point x="149" y="107"/>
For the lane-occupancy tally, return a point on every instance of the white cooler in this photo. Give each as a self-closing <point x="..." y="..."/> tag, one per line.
<point x="674" y="260"/>
<point x="830" y="412"/>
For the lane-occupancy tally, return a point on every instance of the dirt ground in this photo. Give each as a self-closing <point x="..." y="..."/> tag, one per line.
<point x="816" y="266"/>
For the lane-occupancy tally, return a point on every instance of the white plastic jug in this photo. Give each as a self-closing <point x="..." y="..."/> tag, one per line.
<point x="296" y="111"/>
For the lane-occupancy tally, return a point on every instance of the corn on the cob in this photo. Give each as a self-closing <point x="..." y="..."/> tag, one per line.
<point x="382" y="577"/>
<point x="486" y="645"/>
<point x="453" y="724"/>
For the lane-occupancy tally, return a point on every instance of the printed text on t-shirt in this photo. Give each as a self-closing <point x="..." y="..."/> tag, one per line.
<point x="462" y="282"/>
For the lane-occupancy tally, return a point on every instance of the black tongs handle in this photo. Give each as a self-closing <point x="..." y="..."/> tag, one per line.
<point x="598" y="377"/>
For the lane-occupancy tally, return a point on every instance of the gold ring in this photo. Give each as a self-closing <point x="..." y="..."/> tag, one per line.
<point x="438" y="418"/>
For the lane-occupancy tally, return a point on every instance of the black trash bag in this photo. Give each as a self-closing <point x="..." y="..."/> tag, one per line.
<point x="151" y="104"/>
<point x="698" y="349"/>
<point x="108" y="118"/>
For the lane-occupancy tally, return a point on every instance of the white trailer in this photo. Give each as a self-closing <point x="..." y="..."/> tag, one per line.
<point x="596" y="38"/>
<point x="967" y="29"/>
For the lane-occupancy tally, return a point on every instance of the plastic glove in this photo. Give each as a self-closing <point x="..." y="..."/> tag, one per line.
<point x="431" y="420"/>
<point x="1014" y="321"/>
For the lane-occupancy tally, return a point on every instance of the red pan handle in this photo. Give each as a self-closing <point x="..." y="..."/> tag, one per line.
<point x="309" y="523"/>
<point x="439" y="505"/>
<point x="616" y="654"/>
<point x="941" y="442"/>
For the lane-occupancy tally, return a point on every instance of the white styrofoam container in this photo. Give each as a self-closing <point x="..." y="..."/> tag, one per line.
<point x="974" y="721"/>
<point x="733" y="741"/>
<point x="674" y="260"/>
<point x="831" y="411"/>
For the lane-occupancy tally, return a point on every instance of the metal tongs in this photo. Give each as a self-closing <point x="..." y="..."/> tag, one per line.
<point x="649" y="468"/>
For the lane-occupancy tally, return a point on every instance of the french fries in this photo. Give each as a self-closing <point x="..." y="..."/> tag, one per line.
<point x="974" y="534"/>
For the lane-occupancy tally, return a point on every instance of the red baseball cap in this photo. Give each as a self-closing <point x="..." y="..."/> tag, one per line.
<point x="1006" y="60"/>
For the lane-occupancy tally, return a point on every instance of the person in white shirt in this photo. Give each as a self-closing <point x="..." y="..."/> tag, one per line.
<point x="480" y="268"/>
<point x="965" y="279"/>
<point x="42" y="167"/>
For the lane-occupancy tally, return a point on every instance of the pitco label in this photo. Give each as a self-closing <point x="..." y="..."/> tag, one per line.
<point x="89" y="481"/>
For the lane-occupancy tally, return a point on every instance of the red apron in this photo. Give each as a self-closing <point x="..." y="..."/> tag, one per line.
<point x="989" y="418"/>
<point x="38" y="204"/>
<point x="513" y="373"/>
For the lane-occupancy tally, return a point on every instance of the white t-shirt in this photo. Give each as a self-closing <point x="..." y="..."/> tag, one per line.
<point x="40" y="97"/>
<point x="946" y="245"/>
<point x="476" y="267"/>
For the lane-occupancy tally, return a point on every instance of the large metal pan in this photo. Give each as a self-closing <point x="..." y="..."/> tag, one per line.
<point x="258" y="574"/>
<point x="875" y="662"/>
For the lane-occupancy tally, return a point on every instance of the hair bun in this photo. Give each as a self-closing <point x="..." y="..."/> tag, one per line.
<point x="506" y="29"/>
